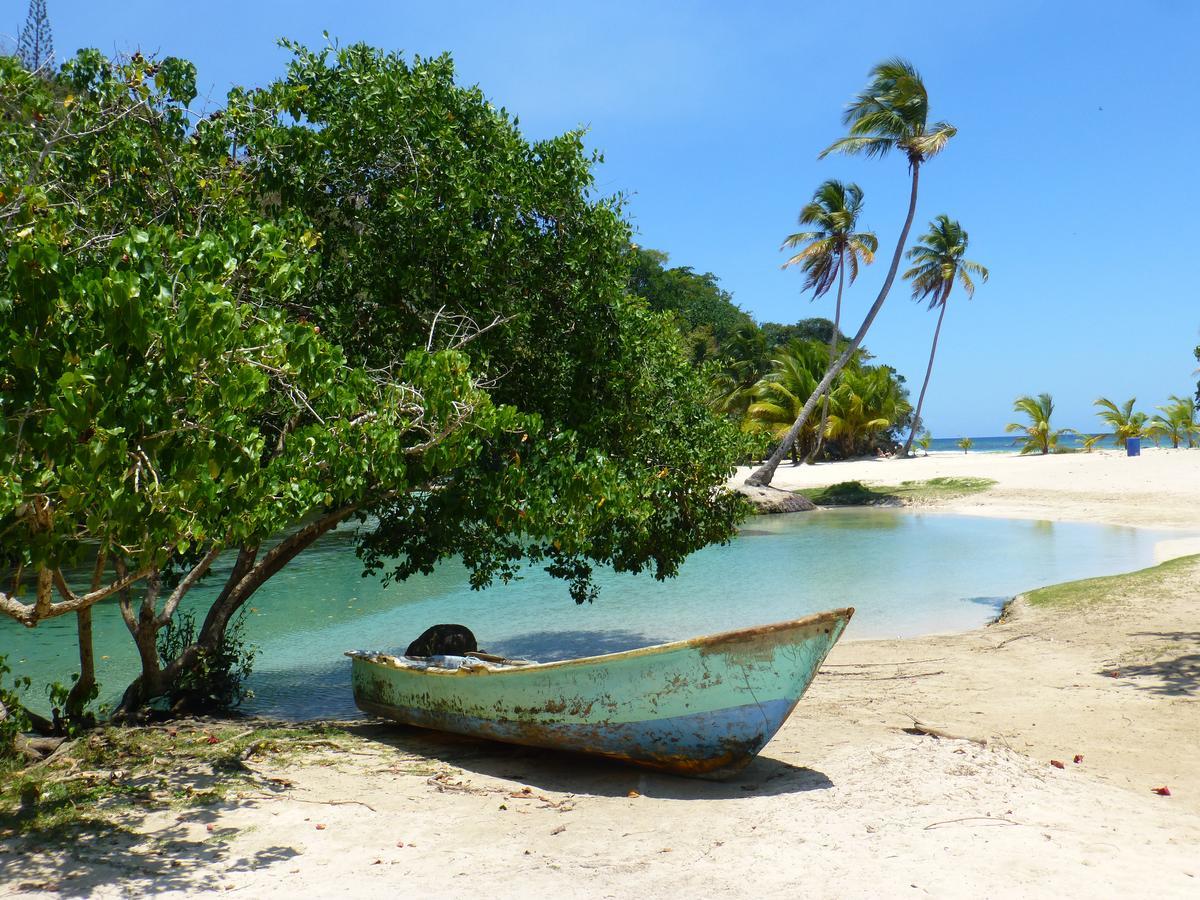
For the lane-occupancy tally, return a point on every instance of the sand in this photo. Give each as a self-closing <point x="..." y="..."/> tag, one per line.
<point x="843" y="803"/>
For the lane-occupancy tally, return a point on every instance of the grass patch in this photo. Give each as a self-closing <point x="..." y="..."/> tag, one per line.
<point x="856" y="493"/>
<point x="1112" y="587"/>
<point x="113" y="770"/>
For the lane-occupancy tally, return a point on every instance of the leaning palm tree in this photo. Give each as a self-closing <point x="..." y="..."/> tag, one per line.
<point x="826" y="252"/>
<point x="1177" y="421"/>
<point x="890" y="114"/>
<point x="1039" y="436"/>
<point x="1124" y="422"/>
<point x="938" y="258"/>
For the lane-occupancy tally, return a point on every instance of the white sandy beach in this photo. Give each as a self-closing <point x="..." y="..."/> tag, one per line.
<point x="843" y="803"/>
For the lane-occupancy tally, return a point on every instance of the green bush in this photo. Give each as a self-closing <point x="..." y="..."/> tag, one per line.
<point x="217" y="682"/>
<point x="12" y="714"/>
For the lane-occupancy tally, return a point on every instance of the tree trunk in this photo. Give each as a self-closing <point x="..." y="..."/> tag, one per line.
<point x="928" y="371"/>
<point x="81" y="690"/>
<point x="763" y="476"/>
<point x="833" y="338"/>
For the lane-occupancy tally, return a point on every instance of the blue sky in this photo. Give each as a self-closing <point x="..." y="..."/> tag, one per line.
<point x="1074" y="169"/>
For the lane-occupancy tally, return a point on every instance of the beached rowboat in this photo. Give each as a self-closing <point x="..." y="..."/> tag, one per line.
<point x="703" y="706"/>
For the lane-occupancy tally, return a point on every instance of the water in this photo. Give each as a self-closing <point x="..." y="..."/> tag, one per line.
<point x="906" y="573"/>
<point x="1007" y="443"/>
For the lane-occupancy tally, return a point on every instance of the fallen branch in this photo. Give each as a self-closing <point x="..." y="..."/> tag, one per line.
<point x="919" y="727"/>
<point x="990" y="820"/>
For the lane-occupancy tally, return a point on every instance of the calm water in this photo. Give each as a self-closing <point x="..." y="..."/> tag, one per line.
<point x="1007" y="443"/>
<point x="906" y="573"/>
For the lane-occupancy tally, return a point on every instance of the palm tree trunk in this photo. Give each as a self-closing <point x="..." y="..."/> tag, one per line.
<point x="837" y="330"/>
<point x="928" y="371"/>
<point x="762" y="476"/>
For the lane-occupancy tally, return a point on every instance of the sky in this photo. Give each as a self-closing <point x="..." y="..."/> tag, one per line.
<point x="1074" y="170"/>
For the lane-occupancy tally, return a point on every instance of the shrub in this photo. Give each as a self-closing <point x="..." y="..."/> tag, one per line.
<point x="217" y="682"/>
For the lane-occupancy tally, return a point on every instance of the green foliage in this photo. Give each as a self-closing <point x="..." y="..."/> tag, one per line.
<point x="218" y="681"/>
<point x="705" y="313"/>
<point x="891" y="113"/>
<point x="925" y="440"/>
<point x="965" y="444"/>
<point x="867" y="403"/>
<point x="1123" y="420"/>
<point x="12" y="713"/>
<point x="71" y="716"/>
<point x="356" y="291"/>
<point x="855" y="493"/>
<point x="1038" y="436"/>
<point x="938" y="261"/>
<point x="849" y="493"/>
<point x="834" y="243"/>
<point x="1177" y="421"/>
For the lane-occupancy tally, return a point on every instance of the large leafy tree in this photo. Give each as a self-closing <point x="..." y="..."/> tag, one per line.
<point x="938" y="261"/>
<point x="891" y="114"/>
<point x="1039" y="436"/>
<point x="358" y="291"/>
<point x="826" y="251"/>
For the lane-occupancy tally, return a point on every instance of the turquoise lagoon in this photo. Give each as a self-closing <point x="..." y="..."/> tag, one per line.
<point x="906" y="574"/>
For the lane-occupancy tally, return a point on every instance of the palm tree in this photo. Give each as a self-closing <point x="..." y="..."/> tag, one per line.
<point x="890" y="114"/>
<point x="825" y="254"/>
<point x="865" y="402"/>
<point x="966" y="444"/>
<point x="778" y="395"/>
<point x="1039" y="437"/>
<point x="1124" y="422"/>
<point x="1178" y="421"/>
<point x="938" y="258"/>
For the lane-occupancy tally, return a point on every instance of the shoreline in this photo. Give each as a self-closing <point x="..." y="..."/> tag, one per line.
<point x="855" y="797"/>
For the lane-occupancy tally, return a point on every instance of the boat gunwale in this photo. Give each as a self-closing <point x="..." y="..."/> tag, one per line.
<point x="702" y="642"/>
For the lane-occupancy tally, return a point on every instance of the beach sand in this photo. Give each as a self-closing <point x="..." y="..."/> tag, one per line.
<point x="843" y="803"/>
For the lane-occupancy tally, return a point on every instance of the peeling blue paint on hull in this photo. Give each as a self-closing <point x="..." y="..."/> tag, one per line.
<point x="702" y="707"/>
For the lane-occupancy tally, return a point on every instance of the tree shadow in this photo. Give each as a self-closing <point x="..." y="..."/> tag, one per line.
<point x="80" y="857"/>
<point x="566" y="772"/>
<point x="1175" y="674"/>
<point x="554" y="646"/>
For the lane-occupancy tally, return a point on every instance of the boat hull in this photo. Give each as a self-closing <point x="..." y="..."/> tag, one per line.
<point x="702" y="707"/>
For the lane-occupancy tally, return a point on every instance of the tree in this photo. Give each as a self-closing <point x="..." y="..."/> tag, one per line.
<point x="1039" y="437"/>
<point x="1177" y="421"/>
<point x="1196" y="353"/>
<point x="697" y="300"/>
<point x="866" y="403"/>
<point x="890" y="114"/>
<point x="35" y="48"/>
<point x="965" y="444"/>
<point x="356" y="292"/>
<point x="826" y="252"/>
<point x="1123" y="420"/>
<point x="938" y="257"/>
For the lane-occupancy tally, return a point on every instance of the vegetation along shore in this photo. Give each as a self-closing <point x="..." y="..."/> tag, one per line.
<point x="356" y="348"/>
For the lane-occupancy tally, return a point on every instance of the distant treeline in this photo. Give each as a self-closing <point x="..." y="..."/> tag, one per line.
<point x="761" y="373"/>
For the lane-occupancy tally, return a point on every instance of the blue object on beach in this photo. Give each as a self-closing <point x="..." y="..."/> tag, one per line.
<point x="1133" y="446"/>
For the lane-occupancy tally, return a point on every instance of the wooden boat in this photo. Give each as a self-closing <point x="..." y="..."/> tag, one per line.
<point x="702" y="707"/>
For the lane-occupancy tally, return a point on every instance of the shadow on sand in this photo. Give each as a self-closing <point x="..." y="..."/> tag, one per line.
<point x="576" y="773"/>
<point x="79" y="858"/>
<point x="1177" y="673"/>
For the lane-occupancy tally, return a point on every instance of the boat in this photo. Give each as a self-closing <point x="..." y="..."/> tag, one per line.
<point x="702" y="707"/>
